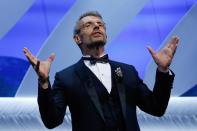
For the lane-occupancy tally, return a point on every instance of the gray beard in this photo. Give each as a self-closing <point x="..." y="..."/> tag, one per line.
<point x="96" y="45"/>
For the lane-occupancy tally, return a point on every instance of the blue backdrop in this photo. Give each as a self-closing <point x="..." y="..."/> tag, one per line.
<point x="34" y="24"/>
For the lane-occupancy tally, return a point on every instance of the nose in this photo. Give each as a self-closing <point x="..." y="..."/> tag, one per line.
<point x="96" y="25"/>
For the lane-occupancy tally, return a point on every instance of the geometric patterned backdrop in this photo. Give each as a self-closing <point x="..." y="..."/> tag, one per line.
<point x="39" y="18"/>
<point x="32" y="23"/>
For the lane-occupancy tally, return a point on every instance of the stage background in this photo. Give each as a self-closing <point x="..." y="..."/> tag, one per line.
<point x="47" y="26"/>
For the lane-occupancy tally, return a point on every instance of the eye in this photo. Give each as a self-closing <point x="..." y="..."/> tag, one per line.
<point x="100" y="24"/>
<point x="88" y="24"/>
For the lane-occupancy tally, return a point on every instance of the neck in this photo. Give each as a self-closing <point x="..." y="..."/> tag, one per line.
<point x="95" y="52"/>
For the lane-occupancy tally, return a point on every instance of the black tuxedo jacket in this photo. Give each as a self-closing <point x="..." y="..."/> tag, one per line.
<point x="73" y="87"/>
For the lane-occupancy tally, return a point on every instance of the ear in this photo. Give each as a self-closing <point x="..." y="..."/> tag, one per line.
<point x="77" y="39"/>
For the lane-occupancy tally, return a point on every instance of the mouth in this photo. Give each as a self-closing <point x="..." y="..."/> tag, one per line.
<point x="97" y="34"/>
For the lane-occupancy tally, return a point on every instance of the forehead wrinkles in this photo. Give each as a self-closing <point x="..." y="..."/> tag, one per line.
<point x="90" y="19"/>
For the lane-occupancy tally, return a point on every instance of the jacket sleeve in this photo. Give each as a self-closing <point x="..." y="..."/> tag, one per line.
<point x="155" y="102"/>
<point x="52" y="103"/>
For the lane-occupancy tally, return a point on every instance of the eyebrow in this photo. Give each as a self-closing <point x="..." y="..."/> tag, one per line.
<point x="94" y="22"/>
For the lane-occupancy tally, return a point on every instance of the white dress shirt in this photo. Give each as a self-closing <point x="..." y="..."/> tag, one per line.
<point x="103" y="72"/>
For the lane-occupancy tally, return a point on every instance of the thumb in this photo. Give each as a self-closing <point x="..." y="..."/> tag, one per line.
<point x="152" y="52"/>
<point x="51" y="57"/>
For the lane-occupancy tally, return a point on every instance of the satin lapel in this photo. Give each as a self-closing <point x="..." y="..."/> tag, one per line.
<point x="120" y="87"/>
<point x="82" y="72"/>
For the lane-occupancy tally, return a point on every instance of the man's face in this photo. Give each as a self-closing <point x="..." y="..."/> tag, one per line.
<point x="92" y="31"/>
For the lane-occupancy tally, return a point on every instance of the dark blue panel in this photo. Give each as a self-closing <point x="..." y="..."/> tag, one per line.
<point x="191" y="92"/>
<point x="12" y="71"/>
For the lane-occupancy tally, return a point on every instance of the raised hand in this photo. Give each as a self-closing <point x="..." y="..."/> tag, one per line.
<point x="164" y="57"/>
<point x="42" y="68"/>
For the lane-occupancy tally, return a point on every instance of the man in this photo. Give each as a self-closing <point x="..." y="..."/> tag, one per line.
<point x="102" y="94"/>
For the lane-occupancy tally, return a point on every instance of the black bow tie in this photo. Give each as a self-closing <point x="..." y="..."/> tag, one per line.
<point x="93" y="60"/>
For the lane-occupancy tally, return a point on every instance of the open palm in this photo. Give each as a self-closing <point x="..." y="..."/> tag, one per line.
<point x="42" y="68"/>
<point x="164" y="57"/>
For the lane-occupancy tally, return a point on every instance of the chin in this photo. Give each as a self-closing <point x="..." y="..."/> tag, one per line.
<point x="96" y="44"/>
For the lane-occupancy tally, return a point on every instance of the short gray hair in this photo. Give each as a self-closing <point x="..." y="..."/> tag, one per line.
<point x="89" y="13"/>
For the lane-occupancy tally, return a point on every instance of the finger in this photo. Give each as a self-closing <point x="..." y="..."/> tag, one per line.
<point x="152" y="52"/>
<point x="173" y="42"/>
<point x="174" y="45"/>
<point x="51" y="57"/>
<point x="26" y="51"/>
<point x="32" y="59"/>
<point x="168" y="45"/>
